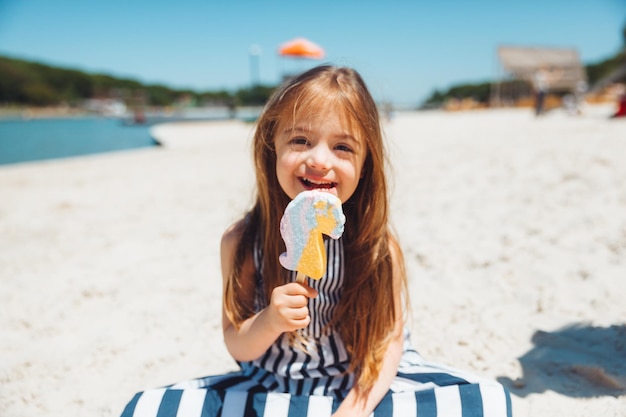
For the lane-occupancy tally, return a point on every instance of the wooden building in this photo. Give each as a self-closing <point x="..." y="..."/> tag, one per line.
<point x="520" y="68"/>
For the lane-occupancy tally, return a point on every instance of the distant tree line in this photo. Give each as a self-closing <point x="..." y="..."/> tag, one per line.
<point x="479" y="92"/>
<point x="599" y="70"/>
<point x="35" y="84"/>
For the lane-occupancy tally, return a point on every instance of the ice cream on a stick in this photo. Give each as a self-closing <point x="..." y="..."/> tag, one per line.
<point x="308" y="216"/>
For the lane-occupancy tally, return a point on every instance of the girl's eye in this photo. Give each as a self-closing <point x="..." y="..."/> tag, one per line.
<point x="343" y="148"/>
<point x="299" y="142"/>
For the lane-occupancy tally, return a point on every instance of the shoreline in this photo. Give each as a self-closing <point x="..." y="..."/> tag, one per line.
<point x="167" y="114"/>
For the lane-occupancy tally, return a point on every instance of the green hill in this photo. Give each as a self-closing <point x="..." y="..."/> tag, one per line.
<point x="34" y="84"/>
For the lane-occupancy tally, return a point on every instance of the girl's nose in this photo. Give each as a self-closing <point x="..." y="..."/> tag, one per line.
<point x="320" y="158"/>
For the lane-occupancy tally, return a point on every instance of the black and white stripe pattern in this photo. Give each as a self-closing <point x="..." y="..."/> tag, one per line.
<point x="320" y="367"/>
<point x="432" y="392"/>
<point x="329" y="289"/>
<point x="319" y="370"/>
<point x="288" y="381"/>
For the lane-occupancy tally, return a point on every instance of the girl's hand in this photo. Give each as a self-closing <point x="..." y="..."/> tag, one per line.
<point x="288" y="309"/>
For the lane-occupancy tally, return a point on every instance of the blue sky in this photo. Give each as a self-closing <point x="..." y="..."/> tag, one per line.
<point x="404" y="49"/>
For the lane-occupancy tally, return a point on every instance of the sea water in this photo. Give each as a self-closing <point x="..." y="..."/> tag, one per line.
<point x="37" y="139"/>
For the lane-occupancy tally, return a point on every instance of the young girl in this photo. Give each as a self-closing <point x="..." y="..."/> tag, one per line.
<point x="338" y="345"/>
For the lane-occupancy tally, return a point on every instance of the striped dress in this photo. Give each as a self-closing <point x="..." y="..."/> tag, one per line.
<point x="289" y="381"/>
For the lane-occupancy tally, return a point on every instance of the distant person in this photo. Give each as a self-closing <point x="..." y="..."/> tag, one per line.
<point x="579" y="95"/>
<point x="338" y="345"/>
<point x="139" y="117"/>
<point x="540" y="85"/>
<point x="621" y="107"/>
<point x="387" y="110"/>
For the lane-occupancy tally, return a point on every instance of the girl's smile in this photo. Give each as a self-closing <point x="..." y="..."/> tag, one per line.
<point x="312" y="184"/>
<point x="321" y="153"/>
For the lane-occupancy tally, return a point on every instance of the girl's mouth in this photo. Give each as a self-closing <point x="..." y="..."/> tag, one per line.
<point x="310" y="184"/>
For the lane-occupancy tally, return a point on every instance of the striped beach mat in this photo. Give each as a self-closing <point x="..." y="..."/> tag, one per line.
<point x="429" y="395"/>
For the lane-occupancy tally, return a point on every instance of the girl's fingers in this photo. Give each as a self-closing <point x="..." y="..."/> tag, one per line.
<point x="310" y="292"/>
<point x="294" y="294"/>
<point x="302" y="322"/>
<point x="297" y="301"/>
<point x="290" y="303"/>
<point x="299" y="313"/>
<point x="297" y="288"/>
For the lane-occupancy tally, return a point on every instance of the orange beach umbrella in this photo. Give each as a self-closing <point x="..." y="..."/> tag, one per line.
<point x="301" y="48"/>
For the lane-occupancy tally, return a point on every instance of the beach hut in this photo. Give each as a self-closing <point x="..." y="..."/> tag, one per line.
<point x="299" y="50"/>
<point x="524" y="70"/>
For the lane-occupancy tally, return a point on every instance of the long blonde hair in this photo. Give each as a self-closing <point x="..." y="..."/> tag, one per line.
<point x="366" y="314"/>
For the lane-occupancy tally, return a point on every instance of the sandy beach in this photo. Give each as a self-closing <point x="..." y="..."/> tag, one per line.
<point x="513" y="229"/>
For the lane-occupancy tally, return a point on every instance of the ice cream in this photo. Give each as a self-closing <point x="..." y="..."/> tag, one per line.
<point x="306" y="217"/>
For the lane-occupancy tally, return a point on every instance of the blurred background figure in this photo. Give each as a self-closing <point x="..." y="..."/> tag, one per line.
<point x="540" y="85"/>
<point x="621" y="106"/>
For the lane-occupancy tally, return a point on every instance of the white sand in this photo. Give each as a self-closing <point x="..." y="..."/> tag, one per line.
<point x="109" y="264"/>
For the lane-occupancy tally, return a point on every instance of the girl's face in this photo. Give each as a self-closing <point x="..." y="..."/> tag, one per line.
<point x="322" y="152"/>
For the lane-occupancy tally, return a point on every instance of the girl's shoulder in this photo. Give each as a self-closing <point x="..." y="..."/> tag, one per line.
<point x="233" y="233"/>
<point x="394" y="248"/>
<point x="231" y="238"/>
<point x="233" y="255"/>
<point x="397" y="257"/>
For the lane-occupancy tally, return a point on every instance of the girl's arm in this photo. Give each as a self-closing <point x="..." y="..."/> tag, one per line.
<point x="286" y="312"/>
<point x="355" y="405"/>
